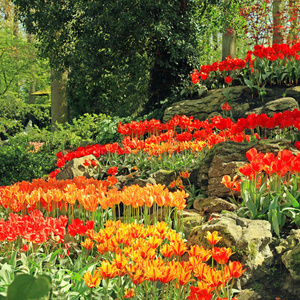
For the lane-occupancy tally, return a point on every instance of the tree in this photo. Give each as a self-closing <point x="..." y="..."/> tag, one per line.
<point x="19" y="64"/>
<point x="117" y="52"/>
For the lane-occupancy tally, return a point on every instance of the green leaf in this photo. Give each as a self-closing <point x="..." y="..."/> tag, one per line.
<point x="294" y="202"/>
<point x="27" y="287"/>
<point x="248" y="83"/>
<point x="250" y="204"/>
<point x="273" y="219"/>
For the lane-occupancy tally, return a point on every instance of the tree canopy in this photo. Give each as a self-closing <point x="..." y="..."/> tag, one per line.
<point x="115" y="49"/>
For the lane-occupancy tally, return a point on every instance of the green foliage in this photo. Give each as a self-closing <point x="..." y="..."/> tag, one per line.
<point x="18" y="164"/>
<point x="122" y="56"/>
<point x="19" y="66"/>
<point x="28" y="287"/>
<point x="15" y="115"/>
<point x="108" y="130"/>
<point x="276" y="202"/>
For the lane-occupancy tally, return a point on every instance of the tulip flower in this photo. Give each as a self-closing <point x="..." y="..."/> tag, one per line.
<point x="129" y="293"/>
<point x="228" y="79"/>
<point x="92" y="280"/>
<point x="213" y="238"/>
<point x="221" y="255"/>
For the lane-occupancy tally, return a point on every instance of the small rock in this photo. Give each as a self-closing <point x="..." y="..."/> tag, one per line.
<point x="213" y="204"/>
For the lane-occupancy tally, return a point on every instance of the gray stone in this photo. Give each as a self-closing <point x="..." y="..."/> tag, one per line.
<point x="209" y="105"/>
<point x="291" y="260"/>
<point x="280" y="105"/>
<point x="213" y="204"/>
<point x="76" y="167"/>
<point x="248" y="295"/>
<point x="293" y="92"/>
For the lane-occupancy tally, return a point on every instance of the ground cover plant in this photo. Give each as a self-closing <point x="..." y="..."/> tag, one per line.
<point x="84" y="238"/>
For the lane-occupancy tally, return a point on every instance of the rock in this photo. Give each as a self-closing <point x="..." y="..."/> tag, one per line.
<point x="132" y="179"/>
<point x="248" y="295"/>
<point x="249" y="239"/>
<point x="76" y="167"/>
<point x="213" y="204"/>
<point x="293" y="92"/>
<point x="291" y="253"/>
<point x="191" y="219"/>
<point x="163" y="177"/>
<point x="278" y="105"/>
<point x="290" y="242"/>
<point x="209" y="105"/>
<point x="291" y="260"/>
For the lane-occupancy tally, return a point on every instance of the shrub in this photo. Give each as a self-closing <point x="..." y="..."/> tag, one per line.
<point x="18" y="163"/>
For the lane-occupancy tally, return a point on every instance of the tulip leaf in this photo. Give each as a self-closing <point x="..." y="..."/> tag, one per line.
<point x="27" y="287"/>
<point x="294" y="202"/>
<point x="248" y="83"/>
<point x="250" y="205"/>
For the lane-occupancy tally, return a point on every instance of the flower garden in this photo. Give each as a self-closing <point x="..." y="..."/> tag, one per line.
<point x="83" y="238"/>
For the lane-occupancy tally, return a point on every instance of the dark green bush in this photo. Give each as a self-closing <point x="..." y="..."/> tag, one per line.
<point x="18" y="164"/>
<point x="108" y="129"/>
<point x="15" y="115"/>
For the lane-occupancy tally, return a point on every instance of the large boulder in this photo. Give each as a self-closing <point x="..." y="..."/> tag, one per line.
<point x="76" y="167"/>
<point x="249" y="239"/>
<point x="213" y="205"/>
<point x="278" y="105"/>
<point x="293" y="92"/>
<point x="209" y="105"/>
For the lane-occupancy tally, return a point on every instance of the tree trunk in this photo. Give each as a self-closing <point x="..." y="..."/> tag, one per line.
<point x="278" y="21"/>
<point x="229" y="43"/>
<point x="32" y="89"/>
<point x="229" y="35"/>
<point x="59" y="105"/>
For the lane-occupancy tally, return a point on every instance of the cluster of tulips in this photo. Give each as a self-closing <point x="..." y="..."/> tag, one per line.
<point x="196" y="136"/>
<point x="152" y="257"/>
<point x="33" y="228"/>
<point x="269" y="187"/>
<point x="88" y="195"/>
<point x="285" y="165"/>
<point x="263" y="66"/>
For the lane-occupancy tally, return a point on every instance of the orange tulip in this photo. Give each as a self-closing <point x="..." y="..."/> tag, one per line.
<point x="200" y="252"/>
<point x="167" y="275"/>
<point x="172" y="184"/>
<point x="152" y="272"/>
<point x="88" y="244"/>
<point x="108" y="270"/>
<point x="235" y="269"/>
<point x="92" y="280"/>
<point x="185" y="174"/>
<point x="167" y="250"/>
<point x="213" y="238"/>
<point x="129" y="293"/>
<point x="179" y="247"/>
<point x="183" y="273"/>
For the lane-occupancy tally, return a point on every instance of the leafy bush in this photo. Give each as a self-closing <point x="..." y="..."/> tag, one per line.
<point x="15" y="114"/>
<point x="66" y="136"/>
<point x="108" y="130"/>
<point x="18" y="163"/>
